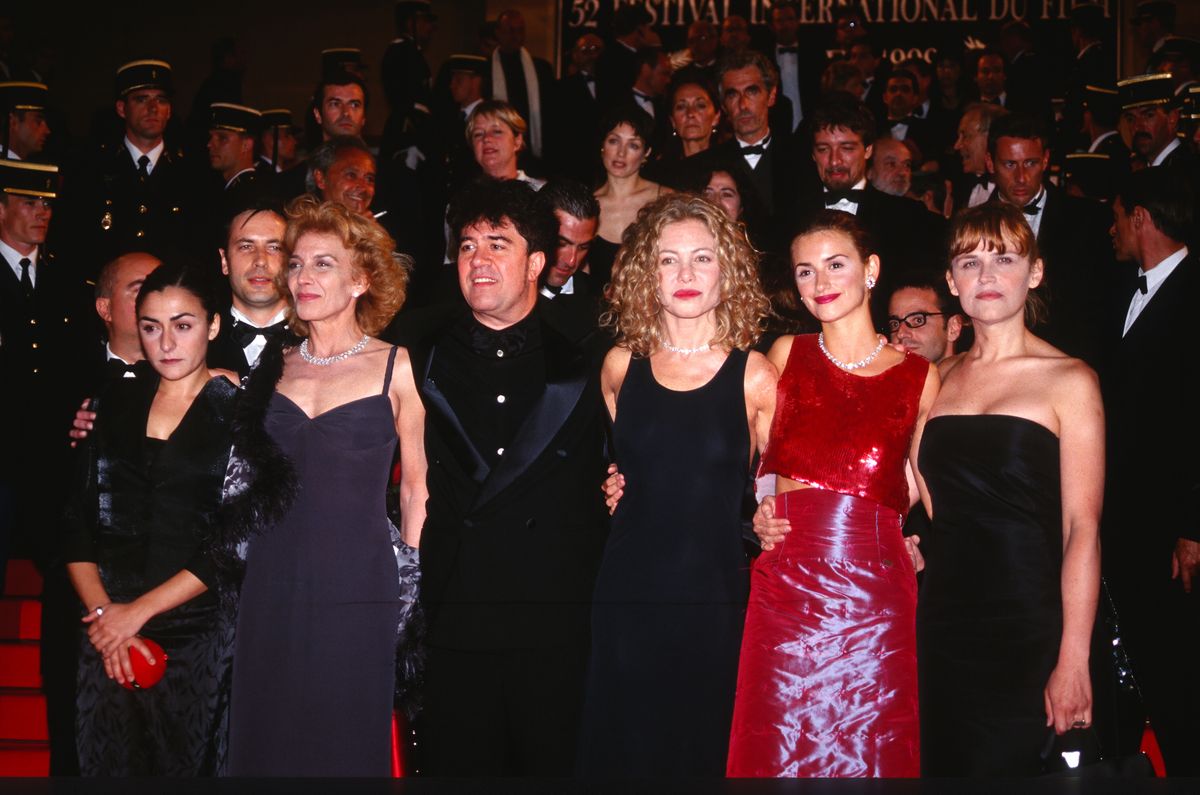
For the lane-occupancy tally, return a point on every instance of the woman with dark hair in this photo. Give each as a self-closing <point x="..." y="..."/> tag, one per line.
<point x="827" y="680"/>
<point x="1012" y="469"/>
<point x="624" y="148"/>
<point x="690" y="405"/>
<point x="138" y="526"/>
<point x="323" y="589"/>
<point x="695" y="116"/>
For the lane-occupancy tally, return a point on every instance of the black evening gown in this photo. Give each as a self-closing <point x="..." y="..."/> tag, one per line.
<point x="141" y="515"/>
<point x="314" y="661"/>
<point x="671" y="593"/>
<point x="989" y="615"/>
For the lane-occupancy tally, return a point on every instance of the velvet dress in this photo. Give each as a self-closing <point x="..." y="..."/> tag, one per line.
<point x="142" y="512"/>
<point x="827" y="680"/>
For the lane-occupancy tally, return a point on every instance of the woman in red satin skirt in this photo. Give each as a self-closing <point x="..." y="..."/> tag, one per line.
<point x="827" y="679"/>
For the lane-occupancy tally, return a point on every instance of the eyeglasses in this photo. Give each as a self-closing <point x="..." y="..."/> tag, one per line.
<point x="912" y="320"/>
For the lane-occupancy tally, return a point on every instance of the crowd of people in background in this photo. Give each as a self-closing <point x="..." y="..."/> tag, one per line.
<point x="693" y="361"/>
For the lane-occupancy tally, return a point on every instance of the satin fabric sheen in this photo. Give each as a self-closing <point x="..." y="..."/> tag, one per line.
<point x="844" y="432"/>
<point x="827" y="684"/>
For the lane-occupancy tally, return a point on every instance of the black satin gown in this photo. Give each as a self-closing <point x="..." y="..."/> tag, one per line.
<point x="141" y="512"/>
<point x="989" y="615"/>
<point x="314" y="662"/>
<point x="671" y="592"/>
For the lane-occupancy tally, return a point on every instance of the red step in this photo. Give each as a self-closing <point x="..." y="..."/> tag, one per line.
<point x="20" y="618"/>
<point x="23" y="715"/>
<point x="19" y="664"/>
<point x="25" y="759"/>
<point x="22" y="579"/>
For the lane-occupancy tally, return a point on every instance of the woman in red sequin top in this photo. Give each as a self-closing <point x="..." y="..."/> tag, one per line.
<point x="827" y="680"/>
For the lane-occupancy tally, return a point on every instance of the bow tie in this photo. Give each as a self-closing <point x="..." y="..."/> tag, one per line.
<point x="643" y="97"/>
<point x="1031" y="208"/>
<point x="978" y="179"/>
<point x="505" y="342"/>
<point x="759" y="148"/>
<point x="244" y="333"/>
<point x="1141" y="284"/>
<point x="851" y="195"/>
<point x="117" y="368"/>
<point x="781" y="50"/>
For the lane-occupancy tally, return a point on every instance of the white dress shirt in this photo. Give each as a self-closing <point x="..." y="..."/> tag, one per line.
<point x="14" y="257"/>
<point x="845" y="205"/>
<point x="153" y="154"/>
<point x="109" y="356"/>
<point x="1154" y="279"/>
<point x="980" y="194"/>
<point x="1035" y="221"/>
<point x="568" y="288"/>
<point x="752" y="160"/>
<point x="259" y="343"/>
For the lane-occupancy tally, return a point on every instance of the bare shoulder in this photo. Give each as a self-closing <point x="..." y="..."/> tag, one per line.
<point x="778" y="355"/>
<point x="1073" y="379"/>
<point x="616" y="362"/>
<point x="760" y="373"/>
<point x="949" y="364"/>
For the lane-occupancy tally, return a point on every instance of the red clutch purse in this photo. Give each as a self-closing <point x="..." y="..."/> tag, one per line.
<point x="146" y="675"/>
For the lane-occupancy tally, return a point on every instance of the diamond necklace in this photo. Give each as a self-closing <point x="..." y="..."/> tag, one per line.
<point x="683" y="351"/>
<point x="325" y="361"/>
<point x="849" y="365"/>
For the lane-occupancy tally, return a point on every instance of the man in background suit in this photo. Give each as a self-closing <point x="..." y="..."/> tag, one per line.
<point x="567" y="288"/>
<point x="1151" y="528"/>
<point x="572" y="145"/>
<point x="516" y="521"/>
<point x="116" y="293"/>
<point x="521" y="80"/>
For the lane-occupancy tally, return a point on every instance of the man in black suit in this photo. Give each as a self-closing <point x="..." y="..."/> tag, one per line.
<point x="798" y="70"/>
<point x="901" y="97"/>
<point x="407" y="80"/>
<point x="1151" y="527"/>
<point x="252" y="257"/>
<point x="466" y="74"/>
<point x="1151" y="110"/>
<point x="843" y="131"/>
<point x="617" y="67"/>
<point x="516" y="522"/>
<point x="749" y="88"/>
<point x="1094" y="64"/>
<point x="972" y="185"/>
<point x="521" y="80"/>
<point x="572" y="144"/>
<point x="116" y="293"/>
<point x="1070" y="233"/>
<point x="567" y="288"/>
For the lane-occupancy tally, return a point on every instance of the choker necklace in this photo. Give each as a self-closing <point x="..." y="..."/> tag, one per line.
<point x="325" y="361"/>
<point x="683" y="351"/>
<point x="850" y="365"/>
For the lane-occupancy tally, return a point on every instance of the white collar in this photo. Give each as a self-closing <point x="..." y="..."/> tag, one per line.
<point x="109" y="355"/>
<point x="765" y="141"/>
<point x="1159" y="273"/>
<point x="1167" y="150"/>
<point x="1086" y="47"/>
<point x="860" y="185"/>
<point x="14" y="257"/>
<point x="153" y="154"/>
<point x="233" y="179"/>
<point x="240" y="316"/>
<point x="1100" y="139"/>
<point x="11" y="155"/>
<point x="469" y="108"/>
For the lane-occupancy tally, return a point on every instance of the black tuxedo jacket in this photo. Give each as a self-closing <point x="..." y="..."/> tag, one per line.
<point x="920" y="131"/>
<point x="1149" y="379"/>
<point x="509" y="553"/>
<point x="961" y="188"/>
<point x="1076" y="249"/>
<point x="224" y="352"/>
<point x="616" y="70"/>
<point x="575" y="119"/>
<point x="779" y="174"/>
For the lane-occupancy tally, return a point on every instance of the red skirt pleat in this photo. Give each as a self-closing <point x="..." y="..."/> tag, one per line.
<point x="827" y="679"/>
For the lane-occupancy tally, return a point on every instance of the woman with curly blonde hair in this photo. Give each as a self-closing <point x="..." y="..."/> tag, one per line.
<point x="322" y="588"/>
<point x="690" y="405"/>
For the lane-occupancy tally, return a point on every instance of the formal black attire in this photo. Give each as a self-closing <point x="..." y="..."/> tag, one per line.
<point x="518" y="97"/>
<point x="140" y="511"/>
<point x="571" y="147"/>
<point x="1149" y="385"/>
<point x="228" y="350"/>
<point x="511" y="544"/>
<point x="320" y="603"/>
<point x="616" y="69"/>
<point x="920" y="131"/>
<point x="989" y="614"/>
<point x="111" y="208"/>
<point x="1184" y="163"/>
<point x="575" y="313"/>
<point x="778" y="176"/>
<point x="670" y="596"/>
<point x="407" y="82"/>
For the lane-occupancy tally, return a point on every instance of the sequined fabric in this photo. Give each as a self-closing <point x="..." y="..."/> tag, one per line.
<point x="844" y="432"/>
<point x="827" y="681"/>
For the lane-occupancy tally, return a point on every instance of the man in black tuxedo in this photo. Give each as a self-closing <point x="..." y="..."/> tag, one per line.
<point x="253" y="258"/>
<point x="901" y="97"/>
<point x="1151" y="529"/>
<point x="749" y="88"/>
<point x="973" y="185"/>
<point x="516" y="521"/>
<point x="116" y="293"/>
<point x="521" y="80"/>
<point x="572" y="144"/>
<point x="1070" y="233"/>
<point x="798" y="69"/>
<point x="567" y="288"/>
<point x="617" y="67"/>
<point x="649" y="93"/>
<point x="843" y="131"/>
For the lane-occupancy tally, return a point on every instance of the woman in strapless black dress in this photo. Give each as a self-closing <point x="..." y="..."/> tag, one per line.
<point x="1012" y="572"/>
<point x="137" y="546"/>
<point x="321" y="601"/>
<point x="690" y="405"/>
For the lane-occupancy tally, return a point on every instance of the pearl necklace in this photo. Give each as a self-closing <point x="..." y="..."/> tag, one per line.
<point x="683" y="351"/>
<point x="850" y="365"/>
<point x="325" y="361"/>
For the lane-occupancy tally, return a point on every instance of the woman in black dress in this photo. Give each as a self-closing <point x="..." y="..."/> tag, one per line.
<point x="325" y="585"/>
<point x="695" y="115"/>
<point x="1012" y="464"/>
<point x="137" y="525"/>
<point x="690" y="404"/>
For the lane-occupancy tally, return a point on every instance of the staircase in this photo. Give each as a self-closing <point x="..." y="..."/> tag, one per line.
<point x="24" y="749"/>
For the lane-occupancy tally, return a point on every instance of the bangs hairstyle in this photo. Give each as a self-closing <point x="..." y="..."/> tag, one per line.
<point x="633" y="306"/>
<point x="998" y="227"/>
<point x="373" y="255"/>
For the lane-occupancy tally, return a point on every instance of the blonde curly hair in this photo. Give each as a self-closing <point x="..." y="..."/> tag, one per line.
<point x="373" y="253"/>
<point x="633" y="307"/>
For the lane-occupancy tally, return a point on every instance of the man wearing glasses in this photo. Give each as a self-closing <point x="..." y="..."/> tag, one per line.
<point x="922" y="317"/>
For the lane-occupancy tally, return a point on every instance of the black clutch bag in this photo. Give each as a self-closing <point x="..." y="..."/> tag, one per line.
<point x="1076" y="754"/>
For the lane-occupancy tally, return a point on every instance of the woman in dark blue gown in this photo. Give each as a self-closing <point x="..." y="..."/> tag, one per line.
<point x="137" y="547"/>
<point x="314" y="663"/>
<point x="1006" y="607"/>
<point x="690" y="406"/>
